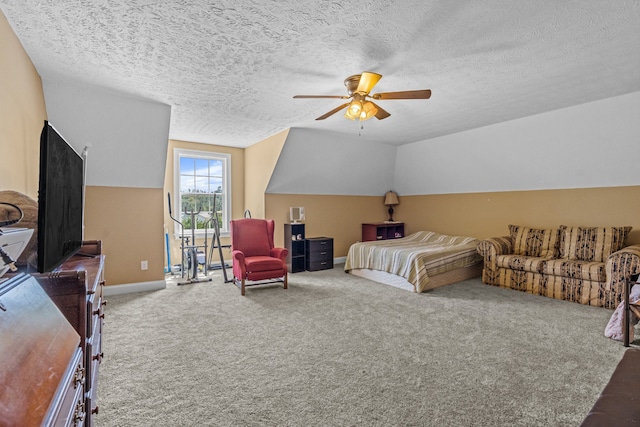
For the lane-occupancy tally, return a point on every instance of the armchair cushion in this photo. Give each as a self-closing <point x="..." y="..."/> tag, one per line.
<point x="260" y="263"/>
<point x="535" y="242"/>
<point x="592" y="243"/>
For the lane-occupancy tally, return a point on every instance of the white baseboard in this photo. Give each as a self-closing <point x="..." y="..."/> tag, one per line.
<point x="129" y="288"/>
<point x="340" y="260"/>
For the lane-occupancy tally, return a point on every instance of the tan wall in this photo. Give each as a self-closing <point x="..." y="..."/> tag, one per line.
<point x="488" y="214"/>
<point x="237" y="192"/>
<point x="129" y="223"/>
<point x="340" y="217"/>
<point x="260" y="161"/>
<point x="22" y="114"/>
<point x="477" y="214"/>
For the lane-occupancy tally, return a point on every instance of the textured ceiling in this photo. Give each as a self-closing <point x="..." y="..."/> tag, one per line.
<point x="230" y="68"/>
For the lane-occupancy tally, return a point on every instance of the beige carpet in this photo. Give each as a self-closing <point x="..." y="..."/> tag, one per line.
<point x="336" y="350"/>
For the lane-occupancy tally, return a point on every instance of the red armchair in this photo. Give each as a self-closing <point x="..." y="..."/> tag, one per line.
<point x="254" y="257"/>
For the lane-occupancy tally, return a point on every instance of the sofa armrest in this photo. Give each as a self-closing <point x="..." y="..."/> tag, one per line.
<point x="620" y="266"/>
<point x="490" y="248"/>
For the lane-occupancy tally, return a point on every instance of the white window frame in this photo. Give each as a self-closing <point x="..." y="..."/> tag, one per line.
<point x="176" y="201"/>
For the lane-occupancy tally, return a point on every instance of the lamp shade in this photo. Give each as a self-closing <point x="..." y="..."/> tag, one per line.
<point x="391" y="198"/>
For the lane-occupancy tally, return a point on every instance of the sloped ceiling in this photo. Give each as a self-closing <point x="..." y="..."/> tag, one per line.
<point x="229" y="69"/>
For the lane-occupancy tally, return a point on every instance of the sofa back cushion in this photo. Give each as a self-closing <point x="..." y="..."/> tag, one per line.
<point x="535" y="242"/>
<point x="592" y="243"/>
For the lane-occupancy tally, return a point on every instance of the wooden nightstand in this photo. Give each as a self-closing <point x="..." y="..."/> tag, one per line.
<point x="382" y="231"/>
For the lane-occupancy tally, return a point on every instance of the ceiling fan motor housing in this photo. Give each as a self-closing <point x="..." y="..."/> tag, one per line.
<point x="351" y="83"/>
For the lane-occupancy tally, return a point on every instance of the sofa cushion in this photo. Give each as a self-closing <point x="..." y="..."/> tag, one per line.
<point x="520" y="263"/>
<point x="585" y="270"/>
<point x="535" y="242"/>
<point x="592" y="243"/>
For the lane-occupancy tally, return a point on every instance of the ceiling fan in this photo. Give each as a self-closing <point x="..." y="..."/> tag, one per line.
<point x="360" y="107"/>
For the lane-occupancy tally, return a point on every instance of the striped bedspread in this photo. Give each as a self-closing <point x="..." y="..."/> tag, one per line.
<point x="415" y="257"/>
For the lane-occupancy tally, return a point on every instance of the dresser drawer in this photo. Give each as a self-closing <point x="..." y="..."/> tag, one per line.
<point x="326" y="255"/>
<point x="319" y="244"/>
<point x="319" y="265"/>
<point x="68" y="409"/>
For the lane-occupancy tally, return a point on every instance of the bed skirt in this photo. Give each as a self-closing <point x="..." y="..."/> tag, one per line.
<point x="443" y="279"/>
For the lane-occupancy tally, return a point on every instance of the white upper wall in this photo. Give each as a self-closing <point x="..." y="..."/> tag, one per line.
<point x="589" y="145"/>
<point x="318" y="162"/>
<point x="127" y="137"/>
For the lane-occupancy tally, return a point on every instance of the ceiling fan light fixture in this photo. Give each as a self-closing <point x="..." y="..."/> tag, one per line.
<point x="361" y="111"/>
<point x="368" y="110"/>
<point x="355" y="108"/>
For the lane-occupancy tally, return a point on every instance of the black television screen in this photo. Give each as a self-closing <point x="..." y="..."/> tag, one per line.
<point x="59" y="200"/>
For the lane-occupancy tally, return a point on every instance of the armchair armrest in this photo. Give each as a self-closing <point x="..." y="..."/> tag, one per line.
<point x="620" y="266"/>
<point x="279" y="253"/>
<point x="492" y="247"/>
<point x="239" y="267"/>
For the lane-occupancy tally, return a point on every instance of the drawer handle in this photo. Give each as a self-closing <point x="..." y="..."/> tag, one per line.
<point x="78" y="377"/>
<point x="323" y="253"/>
<point x="323" y="263"/>
<point x="323" y="243"/>
<point x="79" y="413"/>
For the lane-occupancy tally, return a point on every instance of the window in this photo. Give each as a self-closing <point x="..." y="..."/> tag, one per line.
<point x="202" y="183"/>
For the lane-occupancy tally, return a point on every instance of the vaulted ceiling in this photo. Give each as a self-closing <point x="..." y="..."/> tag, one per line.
<point x="229" y="69"/>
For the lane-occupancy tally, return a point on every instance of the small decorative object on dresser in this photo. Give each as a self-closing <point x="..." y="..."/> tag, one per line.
<point x="296" y="214"/>
<point x="319" y="253"/>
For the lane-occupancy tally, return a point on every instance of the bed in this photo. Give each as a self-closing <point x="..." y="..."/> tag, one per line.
<point x="419" y="262"/>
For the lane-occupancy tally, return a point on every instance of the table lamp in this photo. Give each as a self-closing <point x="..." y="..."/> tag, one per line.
<point x="391" y="199"/>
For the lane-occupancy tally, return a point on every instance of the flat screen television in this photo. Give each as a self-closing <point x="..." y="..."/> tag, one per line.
<point x="60" y="193"/>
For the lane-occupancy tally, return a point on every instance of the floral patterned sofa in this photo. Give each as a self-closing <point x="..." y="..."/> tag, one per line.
<point x="587" y="265"/>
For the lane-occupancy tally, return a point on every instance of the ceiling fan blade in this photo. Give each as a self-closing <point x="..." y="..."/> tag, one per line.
<point x="367" y="81"/>
<point x="322" y="96"/>
<point x="332" y="112"/>
<point x="407" y="94"/>
<point x="381" y="114"/>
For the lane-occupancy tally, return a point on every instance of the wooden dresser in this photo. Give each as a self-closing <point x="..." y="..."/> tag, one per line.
<point x="76" y="289"/>
<point x="74" y="292"/>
